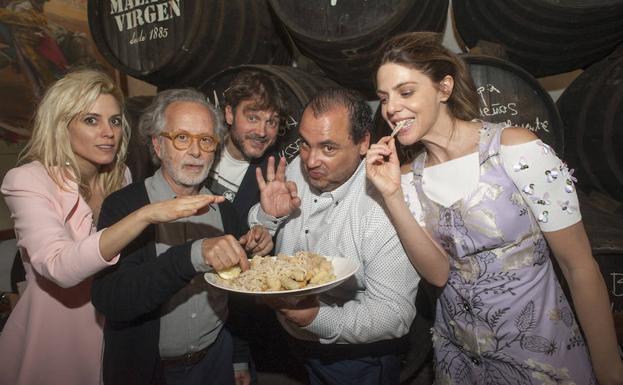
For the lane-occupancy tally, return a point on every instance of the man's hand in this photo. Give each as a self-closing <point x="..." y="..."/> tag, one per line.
<point x="301" y="311"/>
<point x="257" y="241"/>
<point x="278" y="197"/>
<point x="223" y="252"/>
<point x="242" y="377"/>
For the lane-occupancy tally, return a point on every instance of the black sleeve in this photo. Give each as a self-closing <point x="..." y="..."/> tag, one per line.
<point x="139" y="283"/>
<point x="249" y="192"/>
<point x="232" y="222"/>
<point x="242" y="352"/>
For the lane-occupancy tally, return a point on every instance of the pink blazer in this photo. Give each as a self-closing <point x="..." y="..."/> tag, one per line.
<point x="54" y="335"/>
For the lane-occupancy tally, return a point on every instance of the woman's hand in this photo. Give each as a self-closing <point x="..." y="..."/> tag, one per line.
<point x="180" y="207"/>
<point x="242" y="377"/>
<point x="383" y="167"/>
<point x="278" y="197"/>
<point x="118" y="235"/>
<point x="257" y="241"/>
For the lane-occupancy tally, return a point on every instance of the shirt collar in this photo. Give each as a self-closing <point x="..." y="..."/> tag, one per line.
<point x="340" y="193"/>
<point x="158" y="189"/>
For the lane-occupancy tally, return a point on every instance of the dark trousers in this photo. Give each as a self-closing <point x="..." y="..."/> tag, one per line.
<point x="383" y="370"/>
<point x="215" y="368"/>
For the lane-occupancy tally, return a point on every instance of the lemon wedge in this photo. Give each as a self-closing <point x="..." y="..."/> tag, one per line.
<point x="230" y="272"/>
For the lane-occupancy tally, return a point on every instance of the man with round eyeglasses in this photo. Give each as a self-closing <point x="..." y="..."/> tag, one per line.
<point x="164" y="323"/>
<point x="183" y="139"/>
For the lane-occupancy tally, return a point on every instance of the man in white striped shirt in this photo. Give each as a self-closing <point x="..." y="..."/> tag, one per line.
<point x="321" y="203"/>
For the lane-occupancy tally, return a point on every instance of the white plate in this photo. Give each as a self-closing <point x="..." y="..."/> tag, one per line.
<point x="342" y="268"/>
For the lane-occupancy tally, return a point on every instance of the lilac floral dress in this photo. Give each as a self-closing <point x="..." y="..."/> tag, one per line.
<point x="502" y="317"/>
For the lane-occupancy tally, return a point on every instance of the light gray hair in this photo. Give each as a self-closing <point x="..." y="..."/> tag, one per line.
<point x="152" y="121"/>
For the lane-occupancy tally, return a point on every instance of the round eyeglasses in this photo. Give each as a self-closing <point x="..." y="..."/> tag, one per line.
<point x="182" y="140"/>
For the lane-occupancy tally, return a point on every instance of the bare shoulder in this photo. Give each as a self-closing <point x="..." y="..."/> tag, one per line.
<point x="517" y="135"/>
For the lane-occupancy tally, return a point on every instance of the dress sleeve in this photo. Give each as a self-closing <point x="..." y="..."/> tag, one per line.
<point x="51" y="244"/>
<point x="545" y="183"/>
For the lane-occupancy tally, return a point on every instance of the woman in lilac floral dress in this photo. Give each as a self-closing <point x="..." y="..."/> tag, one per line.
<point x="475" y="214"/>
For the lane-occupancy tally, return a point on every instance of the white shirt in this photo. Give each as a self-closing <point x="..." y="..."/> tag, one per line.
<point x="378" y="303"/>
<point x="226" y="175"/>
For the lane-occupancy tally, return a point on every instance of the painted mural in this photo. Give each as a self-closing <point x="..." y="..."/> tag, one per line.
<point x="40" y="40"/>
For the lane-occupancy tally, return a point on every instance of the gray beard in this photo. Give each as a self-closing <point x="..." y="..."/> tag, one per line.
<point x="187" y="180"/>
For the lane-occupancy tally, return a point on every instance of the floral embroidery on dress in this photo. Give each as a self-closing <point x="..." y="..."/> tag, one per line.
<point x="517" y="200"/>
<point x="569" y="178"/>
<point x="544" y="200"/>
<point x="520" y="165"/>
<point x="502" y="317"/>
<point x="528" y="189"/>
<point x="546" y="148"/>
<point x="551" y="175"/>
<point x="544" y="216"/>
<point x="567" y="207"/>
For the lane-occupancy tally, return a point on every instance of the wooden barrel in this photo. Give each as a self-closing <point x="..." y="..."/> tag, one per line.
<point x="592" y="111"/>
<point x="506" y="93"/>
<point x="341" y="37"/>
<point x="177" y="43"/>
<point x="544" y="37"/>
<point x="138" y="158"/>
<point x="605" y="233"/>
<point x="299" y="87"/>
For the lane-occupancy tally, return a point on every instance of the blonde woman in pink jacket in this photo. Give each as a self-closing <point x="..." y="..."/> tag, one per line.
<point x="75" y="159"/>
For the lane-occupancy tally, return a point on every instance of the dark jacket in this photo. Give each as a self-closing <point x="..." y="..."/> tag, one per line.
<point x="130" y="293"/>
<point x="249" y="192"/>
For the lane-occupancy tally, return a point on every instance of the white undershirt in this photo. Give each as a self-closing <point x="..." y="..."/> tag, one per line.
<point x="446" y="183"/>
<point x="227" y="174"/>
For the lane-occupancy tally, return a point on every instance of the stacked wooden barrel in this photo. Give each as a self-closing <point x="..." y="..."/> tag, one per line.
<point x="544" y="37"/>
<point x="342" y="37"/>
<point x="181" y="42"/>
<point x="592" y="107"/>
<point x="299" y="87"/>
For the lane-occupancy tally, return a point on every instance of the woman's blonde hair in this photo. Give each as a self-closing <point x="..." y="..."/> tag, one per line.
<point x="66" y="99"/>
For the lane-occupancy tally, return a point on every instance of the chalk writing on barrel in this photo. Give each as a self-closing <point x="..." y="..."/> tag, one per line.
<point x="488" y="110"/>
<point x="290" y="123"/>
<point x="617" y="284"/>
<point x="291" y="150"/>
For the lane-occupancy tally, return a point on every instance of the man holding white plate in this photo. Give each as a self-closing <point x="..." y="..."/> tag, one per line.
<point x="322" y="204"/>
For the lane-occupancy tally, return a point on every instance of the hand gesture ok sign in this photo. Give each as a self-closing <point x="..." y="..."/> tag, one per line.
<point x="278" y="197"/>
